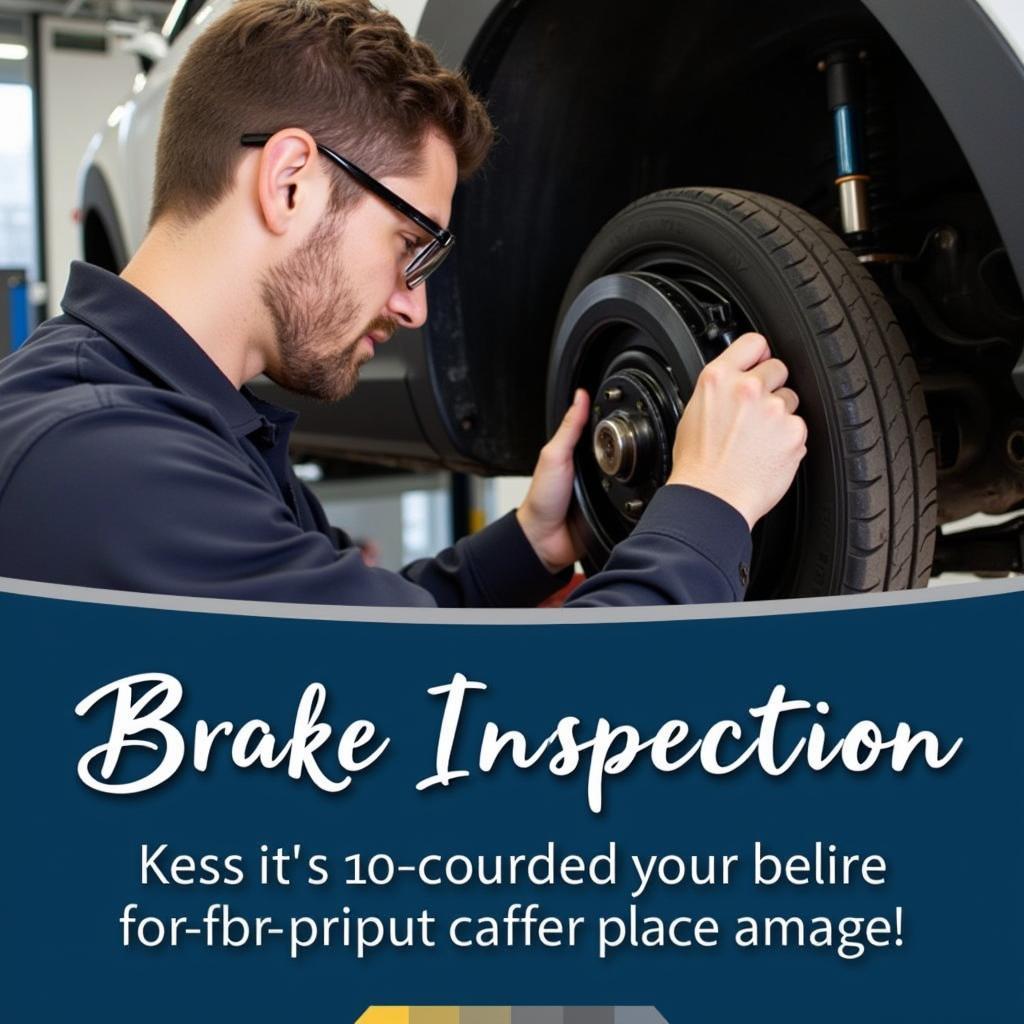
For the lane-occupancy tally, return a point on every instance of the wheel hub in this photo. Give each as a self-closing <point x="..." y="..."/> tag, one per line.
<point x="615" y="443"/>
<point x="635" y="410"/>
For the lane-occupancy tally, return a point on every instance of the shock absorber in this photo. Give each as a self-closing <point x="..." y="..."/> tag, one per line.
<point x="844" y="85"/>
<point x="880" y="150"/>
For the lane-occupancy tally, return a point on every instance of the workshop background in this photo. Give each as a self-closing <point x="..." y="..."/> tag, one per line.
<point x="65" y="70"/>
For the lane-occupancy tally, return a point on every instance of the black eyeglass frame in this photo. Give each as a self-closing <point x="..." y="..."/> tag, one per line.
<point x="431" y="256"/>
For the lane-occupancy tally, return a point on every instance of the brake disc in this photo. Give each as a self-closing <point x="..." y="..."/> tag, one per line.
<point x="637" y="343"/>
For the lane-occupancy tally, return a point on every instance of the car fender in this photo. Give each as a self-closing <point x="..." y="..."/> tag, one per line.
<point x="971" y="60"/>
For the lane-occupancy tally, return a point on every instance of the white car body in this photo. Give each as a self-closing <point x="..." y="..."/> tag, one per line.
<point x="124" y="149"/>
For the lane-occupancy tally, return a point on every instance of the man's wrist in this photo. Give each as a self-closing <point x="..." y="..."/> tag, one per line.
<point x="536" y="536"/>
<point x="717" y="488"/>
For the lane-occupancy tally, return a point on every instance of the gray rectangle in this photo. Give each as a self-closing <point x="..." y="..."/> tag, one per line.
<point x="537" y="1015"/>
<point x="589" y="1015"/>
<point x="637" y="1015"/>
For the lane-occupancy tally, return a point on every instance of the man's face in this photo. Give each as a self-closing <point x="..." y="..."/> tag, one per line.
<point x="342" y="292"/>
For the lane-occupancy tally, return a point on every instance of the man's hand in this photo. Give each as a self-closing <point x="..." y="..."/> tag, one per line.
<point x="739" y="438"/>
<point x="542" y="513"/>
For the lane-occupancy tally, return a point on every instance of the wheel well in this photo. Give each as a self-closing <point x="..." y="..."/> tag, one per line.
<point x="96" y="245"/>
<point x="595" y="109"/>
<point x="102" y="244"/>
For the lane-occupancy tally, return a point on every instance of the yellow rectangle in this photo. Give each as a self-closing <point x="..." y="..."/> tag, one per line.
<point x="385" y="1015"/>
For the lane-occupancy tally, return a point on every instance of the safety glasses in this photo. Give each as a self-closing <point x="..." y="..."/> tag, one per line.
<point x="430" y="256"/>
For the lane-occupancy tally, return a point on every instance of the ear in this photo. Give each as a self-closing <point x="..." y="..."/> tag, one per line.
<point x="289" y="183"/>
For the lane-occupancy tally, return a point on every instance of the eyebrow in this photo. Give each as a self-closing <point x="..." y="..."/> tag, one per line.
<point x="411" y="227"/>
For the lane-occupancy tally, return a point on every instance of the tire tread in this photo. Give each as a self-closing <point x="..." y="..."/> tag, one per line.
<point x="879" y="353"/>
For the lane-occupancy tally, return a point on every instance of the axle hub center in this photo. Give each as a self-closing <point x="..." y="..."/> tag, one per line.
<point x="615" y="446"/>
<point x="618" y="440"/>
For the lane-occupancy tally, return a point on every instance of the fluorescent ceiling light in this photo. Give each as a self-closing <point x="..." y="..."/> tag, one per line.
<point x="172" y="16"/>
<point x="13" y="51"/>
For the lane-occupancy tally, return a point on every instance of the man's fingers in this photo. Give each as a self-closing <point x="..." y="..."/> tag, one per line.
<point x="772" y="373"/>
<point x="745" y="352"/>
<point x="571" y="427"/>
<point x="789" y="397"/>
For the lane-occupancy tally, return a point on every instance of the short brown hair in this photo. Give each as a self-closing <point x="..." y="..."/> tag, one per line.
<point x="343" y="70"/>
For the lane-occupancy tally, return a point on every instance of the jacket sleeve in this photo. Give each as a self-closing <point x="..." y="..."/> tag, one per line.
<point x="495" y="568"/>
<point x="142" y="499"/>
<point x="688" y="548"/>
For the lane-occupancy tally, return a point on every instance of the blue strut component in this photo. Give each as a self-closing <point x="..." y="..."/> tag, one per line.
<point x="847" y="128"/>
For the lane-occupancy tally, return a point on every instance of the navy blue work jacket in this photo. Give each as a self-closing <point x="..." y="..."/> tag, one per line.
<point x="129" y="461"/>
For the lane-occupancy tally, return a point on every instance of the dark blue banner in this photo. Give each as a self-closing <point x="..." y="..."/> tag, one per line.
<point x="809" y="814"/>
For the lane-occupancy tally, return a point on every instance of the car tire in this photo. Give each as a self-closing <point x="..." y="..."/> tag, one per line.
<point x="861" y="515"/>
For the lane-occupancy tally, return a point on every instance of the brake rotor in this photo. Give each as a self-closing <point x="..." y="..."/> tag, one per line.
<point x="637" y="343"/>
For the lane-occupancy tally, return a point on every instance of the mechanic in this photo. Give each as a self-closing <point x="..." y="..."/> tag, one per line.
<point x="133" y="457"/>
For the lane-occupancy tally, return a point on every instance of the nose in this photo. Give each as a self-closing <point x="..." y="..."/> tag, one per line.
<point x="409" y="306"/>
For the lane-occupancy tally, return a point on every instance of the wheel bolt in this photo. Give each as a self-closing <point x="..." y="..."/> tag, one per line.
<point x="634" y="507"/>
<point x="613" y="394"/>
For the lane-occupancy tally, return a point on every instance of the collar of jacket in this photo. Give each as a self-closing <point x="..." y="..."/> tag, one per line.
<point x="138" y="326"/>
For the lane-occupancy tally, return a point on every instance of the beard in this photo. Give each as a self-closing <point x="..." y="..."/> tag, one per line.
<point x="314" y="313"/>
